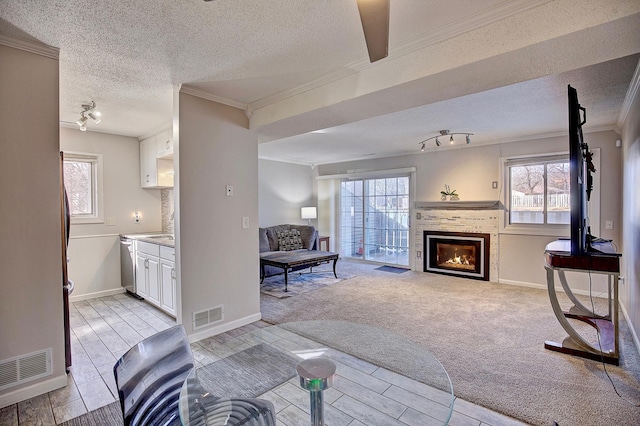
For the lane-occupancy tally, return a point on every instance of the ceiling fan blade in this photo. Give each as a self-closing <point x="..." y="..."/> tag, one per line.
<point x="374" y="15"/>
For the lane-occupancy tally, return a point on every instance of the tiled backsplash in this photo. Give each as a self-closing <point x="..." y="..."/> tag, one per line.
<point x="167" y="206"/>
<point x="483" y="221"/>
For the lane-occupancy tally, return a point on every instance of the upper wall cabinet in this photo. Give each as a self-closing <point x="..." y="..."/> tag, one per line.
<point x="156" y="161"/>
<point x="164" y="145"/>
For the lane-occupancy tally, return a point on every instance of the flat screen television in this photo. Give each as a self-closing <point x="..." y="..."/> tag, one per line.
<point x="580" y="169"/>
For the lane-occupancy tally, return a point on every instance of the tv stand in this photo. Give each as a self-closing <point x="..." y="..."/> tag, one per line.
<point x="603" y="260"/>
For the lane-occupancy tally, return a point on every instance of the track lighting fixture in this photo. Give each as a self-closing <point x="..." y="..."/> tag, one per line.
<point x="91" y="112"/>
<point x="446" y="133"/>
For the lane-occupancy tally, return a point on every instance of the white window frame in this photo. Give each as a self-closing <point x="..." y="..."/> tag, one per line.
<point x="552" y="230"/>
<point x="97" y="187"/>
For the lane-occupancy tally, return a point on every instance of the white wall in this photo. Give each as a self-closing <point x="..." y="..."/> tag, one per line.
<point x="94" y="252"/>
<point x="283" y="189"/>
<point x="471" y="170"/>
<point x="630" y="287"/>
<point x="218" y="261"/>
<point x="31" y="316"/>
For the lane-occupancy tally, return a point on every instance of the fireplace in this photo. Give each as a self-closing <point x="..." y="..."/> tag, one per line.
<point x="461" y="254"/>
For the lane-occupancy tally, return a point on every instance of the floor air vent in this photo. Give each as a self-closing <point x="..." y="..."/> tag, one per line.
<point x="207" y="317"/>
<point x="25" y="368"/>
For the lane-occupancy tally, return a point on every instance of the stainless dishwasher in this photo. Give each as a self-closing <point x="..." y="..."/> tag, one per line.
<point x="128" y="265"/>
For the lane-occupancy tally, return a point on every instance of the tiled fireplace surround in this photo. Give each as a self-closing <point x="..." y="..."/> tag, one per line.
<point x="455" y="216"/>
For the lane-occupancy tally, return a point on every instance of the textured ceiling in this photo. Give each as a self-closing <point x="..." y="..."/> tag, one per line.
<point x="128" y="56"/>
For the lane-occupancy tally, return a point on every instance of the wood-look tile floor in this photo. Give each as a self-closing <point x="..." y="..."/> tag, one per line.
<point x="103" y="329"/>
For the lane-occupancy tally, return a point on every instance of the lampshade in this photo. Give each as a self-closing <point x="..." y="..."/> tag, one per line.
<point x="308" y="213"/>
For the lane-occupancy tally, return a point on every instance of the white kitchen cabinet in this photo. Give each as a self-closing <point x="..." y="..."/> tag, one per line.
<point x="148" y="271"/>
<point x="164" y="145"/>
<point x="155" y="172"/>
<point x="153" y="279"/>
<point x="141" y="275"/>
<point x="168" y="286"/>
<point x="156" y="275"/>
<point x="148" y="168"/>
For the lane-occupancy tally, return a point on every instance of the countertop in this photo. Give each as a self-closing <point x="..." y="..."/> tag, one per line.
<point x="153" y="237"/>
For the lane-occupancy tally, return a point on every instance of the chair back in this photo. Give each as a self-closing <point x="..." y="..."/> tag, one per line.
<point x="149" y="378"/>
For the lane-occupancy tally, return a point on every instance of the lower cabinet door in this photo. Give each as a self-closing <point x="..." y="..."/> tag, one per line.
<point x="168" y="286"/>
<point x="153" y="278"/>
<point x="141" y="275"/>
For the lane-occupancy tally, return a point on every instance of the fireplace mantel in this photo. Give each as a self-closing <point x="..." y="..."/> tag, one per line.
<point x="458" y="205"/>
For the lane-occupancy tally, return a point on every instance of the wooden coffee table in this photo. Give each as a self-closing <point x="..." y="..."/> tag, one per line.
<point x="292" y="259"/>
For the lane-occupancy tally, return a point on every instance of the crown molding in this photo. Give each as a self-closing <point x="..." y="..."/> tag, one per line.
<point x="211" y="97"/>
<point x="486" y="17"/>
<point x="632" y="93"/>
<point x="30" y="46"/>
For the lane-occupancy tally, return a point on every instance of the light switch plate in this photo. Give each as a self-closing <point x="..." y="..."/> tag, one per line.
<point x="608" y="224"/>
<point x="229" y="189"/>
<point x="245" y="223"/>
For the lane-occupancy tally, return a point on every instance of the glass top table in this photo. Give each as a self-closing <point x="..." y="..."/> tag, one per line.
<point x="381" y="377"/>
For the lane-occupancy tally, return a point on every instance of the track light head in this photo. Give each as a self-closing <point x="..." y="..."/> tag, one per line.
<point x="95" y="116"/>
<point x="438" y="143"/>
<point x="82" y="120"/>
<point x="451" y="139"/>
<point x="422" y="147"/>
<point x="468" y="139"/>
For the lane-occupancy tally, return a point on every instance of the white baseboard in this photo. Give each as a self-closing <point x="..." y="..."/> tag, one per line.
<point x="96" y="294"/>
<point x="636" y="341"/>
<point x="544" y="287"/>
<point x="13" y="397"/>
<point x="222" y="328"/>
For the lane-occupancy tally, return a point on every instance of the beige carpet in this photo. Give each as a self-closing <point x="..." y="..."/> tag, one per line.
<point x="490" y="338"/>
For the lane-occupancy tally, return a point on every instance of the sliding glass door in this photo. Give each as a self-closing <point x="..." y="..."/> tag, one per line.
<point x="374" y="218"/>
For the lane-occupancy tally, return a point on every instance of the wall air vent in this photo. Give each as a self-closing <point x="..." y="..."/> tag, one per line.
<point x="207" y="317"/>
<point x="25" y="368"/>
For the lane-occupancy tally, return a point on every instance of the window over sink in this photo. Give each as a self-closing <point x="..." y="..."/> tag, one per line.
<point x="83" y="183"/>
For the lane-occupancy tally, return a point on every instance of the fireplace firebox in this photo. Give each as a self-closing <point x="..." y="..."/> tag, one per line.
<point x="461" y="254"/>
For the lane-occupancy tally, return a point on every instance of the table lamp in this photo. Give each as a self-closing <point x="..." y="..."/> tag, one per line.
<point x="308" y="213"/>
